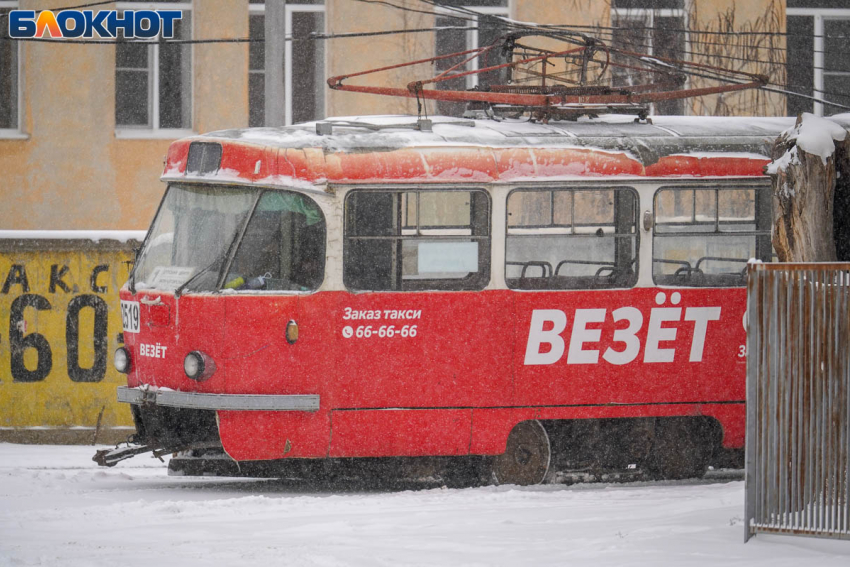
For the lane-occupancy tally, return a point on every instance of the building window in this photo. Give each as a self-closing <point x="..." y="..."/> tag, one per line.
<point x="704" y="236"/>
<point x="153" y="81"/>
<point x="303" y="63"/>
<point x="417" y="240"/>
<point x="571" y="238"/>
<point x="485" y="27"/>
<point x="818" y="66"/>
<point x="256" y="67"/>
<point x="9" y="74"/>
<point x="652" y="27"/>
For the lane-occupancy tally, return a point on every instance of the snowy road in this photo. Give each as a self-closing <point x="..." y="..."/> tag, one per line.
<point x="58" y="509"/>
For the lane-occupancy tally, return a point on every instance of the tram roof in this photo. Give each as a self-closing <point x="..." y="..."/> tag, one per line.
<point x="607" y="131"/>
<point x="644" y="149"/>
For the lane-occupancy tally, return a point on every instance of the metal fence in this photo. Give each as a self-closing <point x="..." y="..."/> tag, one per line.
<point x="798" y="408"/>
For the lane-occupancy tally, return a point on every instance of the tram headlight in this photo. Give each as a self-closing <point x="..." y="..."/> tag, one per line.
<point x="198" y="366"/>
<point x="121" y="360"/>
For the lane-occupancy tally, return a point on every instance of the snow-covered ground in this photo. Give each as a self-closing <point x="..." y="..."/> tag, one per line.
<point x="58" y="508"/>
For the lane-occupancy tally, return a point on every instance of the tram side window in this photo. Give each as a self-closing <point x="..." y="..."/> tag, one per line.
<point x="571" y="238"/>
<point x="283" y="247"/>
<point x="704" y="236"/>
<point x="417" y="240"/>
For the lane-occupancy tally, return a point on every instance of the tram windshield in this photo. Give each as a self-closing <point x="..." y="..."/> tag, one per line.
<point x="195" y="232"/>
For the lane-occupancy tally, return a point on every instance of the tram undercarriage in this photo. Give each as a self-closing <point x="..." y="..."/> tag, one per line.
<point x="563" y="452"/>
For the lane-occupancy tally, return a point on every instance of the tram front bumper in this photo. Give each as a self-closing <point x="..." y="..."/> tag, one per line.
<point x="218" y="402"/>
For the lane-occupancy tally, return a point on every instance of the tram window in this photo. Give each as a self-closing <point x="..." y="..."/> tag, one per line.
<point x="571" y="238"/>
<point x="417" y="240"/>
<point x="704" y="236"/>
<point x="191" y="235"/>
<point x="283" y="247"/>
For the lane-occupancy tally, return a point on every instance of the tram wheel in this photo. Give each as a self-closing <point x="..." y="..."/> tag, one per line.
<point x="679" y="450"/>
<point x="526" y="457"/>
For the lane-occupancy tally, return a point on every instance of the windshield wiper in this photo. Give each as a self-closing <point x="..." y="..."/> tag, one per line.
<point x="131" y="282"/>
<point x="198" y="274"/>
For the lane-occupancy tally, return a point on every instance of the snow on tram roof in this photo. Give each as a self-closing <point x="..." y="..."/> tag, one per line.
<point x="367" y="149"/>
<point x="617" y="132"/>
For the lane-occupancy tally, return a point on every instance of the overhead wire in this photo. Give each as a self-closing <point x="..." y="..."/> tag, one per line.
<point x="471" y="16"/>
<point x="613" y="29"/>
<point x="311" y="37"/>
<point x="609" y="34"/>
<point x="396" y="6"/>
<point x="474" y="15"/>
<point x="610" y="30"/>
<point x="686" y="30"/>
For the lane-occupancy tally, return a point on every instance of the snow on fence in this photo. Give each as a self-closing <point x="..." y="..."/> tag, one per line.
<point x="798" y="402"/>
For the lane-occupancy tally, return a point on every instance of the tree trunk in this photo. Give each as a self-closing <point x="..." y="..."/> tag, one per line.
<point x="810" y="174"/>
<point x="803" y="190"/>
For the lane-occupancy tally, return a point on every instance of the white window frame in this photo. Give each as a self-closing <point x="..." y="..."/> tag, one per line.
<point x="152" y="130"/>
<point x="287" y="53"/>
<point x="256" y="10"/>
<point x="820" y="15"/>
<point x="649" y="15"/>
<point x="472" y="34"/>
<point x="18" y="132"/>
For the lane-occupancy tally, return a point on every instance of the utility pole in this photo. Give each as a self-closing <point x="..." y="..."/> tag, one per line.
<point x="275" y="31"/>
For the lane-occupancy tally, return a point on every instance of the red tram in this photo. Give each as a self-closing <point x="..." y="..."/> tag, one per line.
<point x="546" y="297"/>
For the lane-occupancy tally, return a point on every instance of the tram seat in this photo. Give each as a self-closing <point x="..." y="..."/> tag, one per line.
<point x="534" y="274"/>
<point x="539" y="283"/>
<point x="621" y="278"/>
<point x="538" y="275"/>
<point x="686" y="275"/>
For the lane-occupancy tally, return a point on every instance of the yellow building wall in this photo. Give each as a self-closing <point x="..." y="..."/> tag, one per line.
<point x="740" y="49"/>
<point x="568" y="12"/>
<point x="351" y="55"/>
<point x="71" y="171"/>
<point x="221" y="70"/>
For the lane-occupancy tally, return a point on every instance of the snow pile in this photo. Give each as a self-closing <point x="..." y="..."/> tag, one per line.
<point x="817" y="136"/>
<point x="789" y="158"/>
<point x="812" y="134"/>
